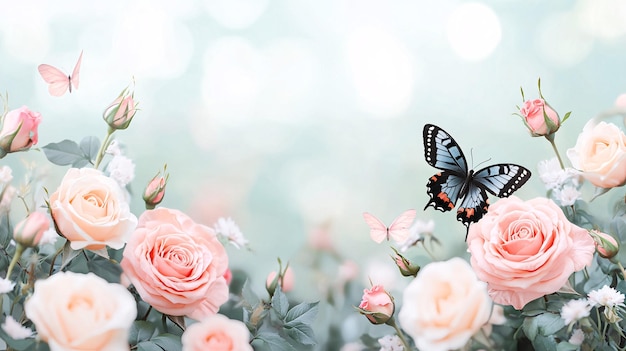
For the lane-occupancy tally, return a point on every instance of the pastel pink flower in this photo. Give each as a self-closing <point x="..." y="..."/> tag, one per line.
<point x="217" y="333"/>
<point x="19" y="129"/>
<point x="31" y="229"/>
<point x="378" y="301"/>
<point x="176" y="265"/>
<point x="533" y="113"/>
<point x="287" y="281"/>
<point x="526" y="249"/>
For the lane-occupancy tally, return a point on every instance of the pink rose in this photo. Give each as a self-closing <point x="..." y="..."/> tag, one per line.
<point x="121" y="111"/>
<point x="600" y="153"/>
<point x="286" y="283"/>
<point x="217" y="333"/>
<point x="176" y="265"/>
<point x="30" y="230"/>
<point x="606" y="245"/>
<point x="75" y="311"/>
<point x="444" y="306"/>
<point x="533" y="113"/>
<point x="525" y="250"/>
<point x="90" y="210"/>
<point x="155" y="190"/>
<point x="19" y="130"/>
<point x="377" y="305"/>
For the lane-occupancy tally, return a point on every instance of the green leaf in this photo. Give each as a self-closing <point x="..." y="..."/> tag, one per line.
<point x="273" y="342"/>
<point x="530" y="327"/>
<point x="550" y="323"/>
<point x="63" y="153"/>
<point x="302" y="313"/>
<point x="168" y="341"/>
<point x="149" y="346"/>
<point x="90" y="146"/>
<point x="301" y="333"/>
<point x="566" y="117"/>
<point x="544" y="343"/>
<point x="566" y="346"/>
<point x="141" y="331"/>
<point x="250" y="298"/>
<point x="280" y="303"/>
<point x="68" y="254"/>
<point x="105" y="269"/>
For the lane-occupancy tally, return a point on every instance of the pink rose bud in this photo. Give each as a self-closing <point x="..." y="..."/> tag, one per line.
<point x="406" y="268"/>
<point x="228" y="275"/>
<point x="539" y="117"/>
<point x="120" y="112"/>
<point x="606" y="245"/>
<point x="19" y="130"/>
<point x="377" y="305"/>
<point x="30" y="230"/>
<point x="285" y="280"/>
<point x="155" y="190"/>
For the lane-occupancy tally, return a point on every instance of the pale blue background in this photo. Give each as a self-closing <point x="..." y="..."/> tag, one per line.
<point x="289" y="114"/>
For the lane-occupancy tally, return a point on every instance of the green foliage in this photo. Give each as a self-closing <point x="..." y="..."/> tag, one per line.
<point x="68" y="152"/>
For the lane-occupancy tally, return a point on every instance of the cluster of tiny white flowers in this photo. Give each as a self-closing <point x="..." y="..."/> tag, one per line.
<point x="418" y="232"/>
<point x="390" y="343"/>
<point x="575" y="310"/>
<point x="15" y="329"/>
<point x="607" y="297"/>
<point x="6" y="286"/>
<point x="120" y="168"/>
<point x="564" y="184"/>
<point x="228" y="229"/>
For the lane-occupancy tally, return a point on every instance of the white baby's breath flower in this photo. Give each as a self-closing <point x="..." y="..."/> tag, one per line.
<point x="114" y="148"/>
<point x="575" y="310"/>
<point x="50" y="236"/>
<point x="227" y="228"/>
<point x="15" y="329"/>
<point x="607" y="297"/>
<point x="577" y="337"/>
<point x="417" y="232"/>
<point x="121" y="169"/>
<point x="390" y="343"/>
<point x="567" y="196"/>
<point x="6" y="286"/>
<point x="6" y="174"/>
<point x="554" y="177"/>
<point x="8" y="195"/>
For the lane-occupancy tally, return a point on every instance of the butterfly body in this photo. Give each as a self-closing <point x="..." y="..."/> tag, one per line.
<point x="398" y="230"/>
<point x="456" y="182"/>
<point x="59" y="82"/>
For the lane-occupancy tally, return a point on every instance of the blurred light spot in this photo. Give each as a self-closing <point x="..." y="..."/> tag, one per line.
<point x="381" y="70"/>
<point x="561" y="42"/>
<point x="602" y="18"/>
<point x="383" y="273"/>
<point x="153" y="44"/>
<point x="473" y="31"/>
<point x="26" y="34"/>
<point x="235" y="14"/>
<point x="319" y="197"/>
<point x="288" y="78"/>
<point x="231" y="80"/>
<point x="621" y="101"/>
<point x="201" y="128"/>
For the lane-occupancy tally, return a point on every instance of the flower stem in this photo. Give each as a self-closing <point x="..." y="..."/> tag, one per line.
<point x="18" y="253"/>
<point x="103" y="147"/>
<point x="619" y="264"/>
<point x="550" y="138"/>
<point x="392" y="322"/>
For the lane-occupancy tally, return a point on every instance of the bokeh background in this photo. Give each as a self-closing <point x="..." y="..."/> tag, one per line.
<point x="294" y="117"/>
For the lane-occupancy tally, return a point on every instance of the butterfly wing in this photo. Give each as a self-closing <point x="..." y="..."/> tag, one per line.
<point x="399" y="229"/>
<point x="500" y="180"/>
<point x="76" y="73"/>
<point x="378" y="230"/>
<point x="58" y="82"/>
<point x="442" y="152"/>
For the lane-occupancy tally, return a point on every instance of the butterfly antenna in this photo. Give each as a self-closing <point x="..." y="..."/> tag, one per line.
<point x="487" y="160"/>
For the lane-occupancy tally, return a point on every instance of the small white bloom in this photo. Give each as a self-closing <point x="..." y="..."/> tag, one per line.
<point x="577" y="337"/>
<point x="7" y="198"/>
<point x="567" y="196"/>
<point x="15" y="329"/>
<point x="6" y="286"/>
<point x="114" y="148"/>
<point x="575" y="310"/>
<point x="606" y="296"/>
<point x="6" y="174"/>
<point x="417" y="232"/>
<point x="553" y="176"/>
<point x="121" y="169"/>
<point x="227" y="228"/>
<point x="390" y="343"/>
<point x="50" y="236"/>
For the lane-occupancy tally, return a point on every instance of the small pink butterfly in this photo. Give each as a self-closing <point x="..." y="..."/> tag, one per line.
<point x="58" y="81"/>
<point x="398" y="230"/>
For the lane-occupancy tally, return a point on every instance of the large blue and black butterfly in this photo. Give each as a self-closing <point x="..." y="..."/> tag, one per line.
<point x="456" y="182"/>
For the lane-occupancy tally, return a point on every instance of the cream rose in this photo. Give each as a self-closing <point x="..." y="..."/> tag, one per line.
<point x="73" y="311"/>
<point x="600" y="154"/>
<point x="217" y="333"/>
<point x="525" y="250"/>
<point x="176" y="265"/>
<point x="90" y="211"/>
<point x="444" y="306"/>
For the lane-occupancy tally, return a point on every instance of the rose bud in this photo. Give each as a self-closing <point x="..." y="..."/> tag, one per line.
<point x="406" y="268"/>
<point x="30" y="230"/>
<point x="606" y="245"/>
<point x="155" y="190"/>
<point x="377" y="305"/>
<point x="285" y="280"/>
<point x="539" y="117"/>
<point x="120" y="112"/>
<point x="19" y="130"/>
